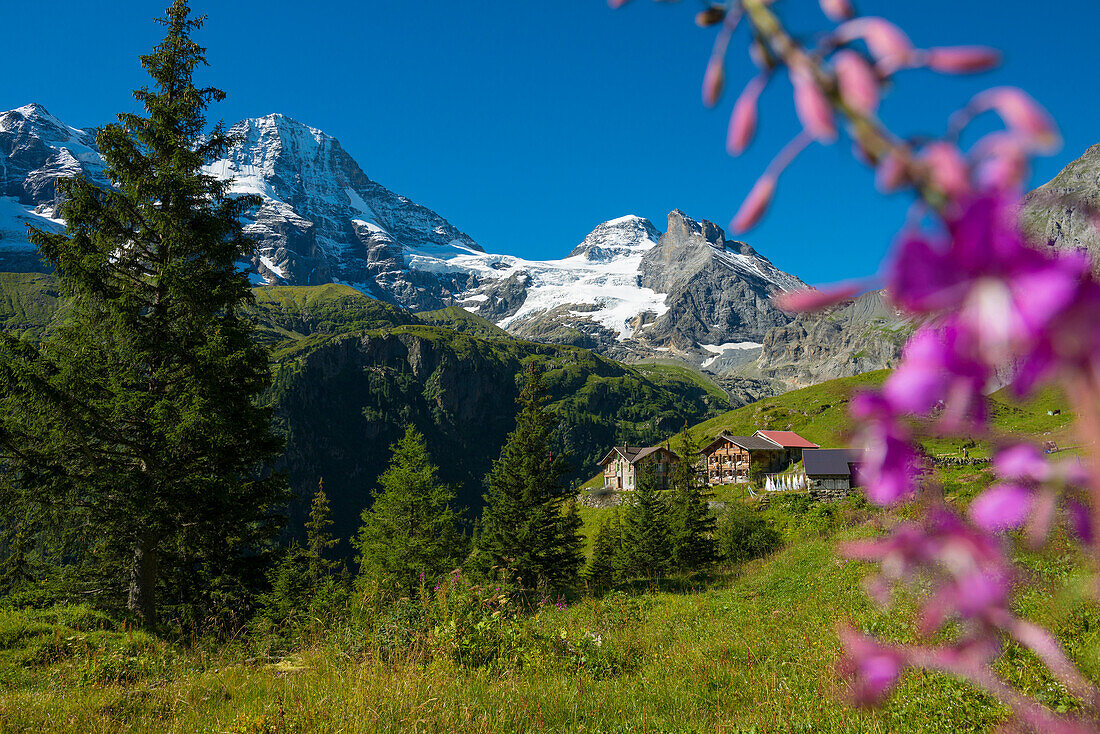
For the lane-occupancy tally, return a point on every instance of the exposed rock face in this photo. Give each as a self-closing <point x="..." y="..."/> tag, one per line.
<point x="718" y="291"/>
<point x="323" y="220"/>
<point x="1058" y="212"/>
<point x="862" y="335"/>
<point x="35" y="150"/>
<point x="627" y="291"/>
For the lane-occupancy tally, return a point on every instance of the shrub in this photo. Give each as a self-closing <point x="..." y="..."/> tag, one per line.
<point x="744" y="534"/>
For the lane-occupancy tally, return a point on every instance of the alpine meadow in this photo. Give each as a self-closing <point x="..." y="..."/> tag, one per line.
<point x="284" y="451"/>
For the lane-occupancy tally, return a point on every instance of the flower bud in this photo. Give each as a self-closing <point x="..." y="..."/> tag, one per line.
<point x="859" y="86"/>
<point x="742" y="125"/>
<point x="813" y="108"/>
<point x="1021" y="113"/>
<point x="891" y="48"/>
<point x="891" y="173"/>
<point x="837" y="10"/>
<point x="616" y="4"/>
<point x="962" y="59"/>
<point x="711" y="16"/>
<point x="755" y="204"/>
<point x="713" y="80"/>
<point x="814" y="299"/>
<point x="947" y="168"/>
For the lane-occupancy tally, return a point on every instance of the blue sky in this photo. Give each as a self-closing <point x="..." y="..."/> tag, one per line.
<point x="527" y="123"/>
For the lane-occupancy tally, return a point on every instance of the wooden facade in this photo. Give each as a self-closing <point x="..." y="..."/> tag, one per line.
<point x="622" y="464"/>
<point x="730" y="459"/>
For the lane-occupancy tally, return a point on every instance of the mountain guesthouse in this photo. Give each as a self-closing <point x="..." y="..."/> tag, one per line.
<point x="621" y="465"/>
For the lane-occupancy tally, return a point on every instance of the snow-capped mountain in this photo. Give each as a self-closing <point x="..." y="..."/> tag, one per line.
<point x="628" y="290"/>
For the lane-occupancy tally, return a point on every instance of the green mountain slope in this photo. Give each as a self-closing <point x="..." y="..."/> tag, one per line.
<point x="349" y="372"/>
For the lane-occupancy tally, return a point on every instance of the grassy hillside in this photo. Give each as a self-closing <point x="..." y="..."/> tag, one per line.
<point x="29" y="303"/>
<point x="755" y="652"/>
<point x="461" y="320"/>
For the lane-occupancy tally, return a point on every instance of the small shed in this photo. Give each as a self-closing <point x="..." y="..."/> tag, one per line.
<point x="833" y="470"/>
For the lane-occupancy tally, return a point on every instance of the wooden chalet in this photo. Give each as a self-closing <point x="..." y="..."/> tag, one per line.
<point x="621" y="465"/>
<point x="791" y="442"/>
<point x="728" y="458"/>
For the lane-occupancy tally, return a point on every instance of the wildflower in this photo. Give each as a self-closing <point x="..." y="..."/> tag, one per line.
<point x="815" y="299"/>
<point x="859" y="86"/>
<point x="813" y="108"/>
<point x="947" y="168"/>
<point x="890" y="464"/>
<point x="891" y="48"/>
<point x="755" y="204"/>
<point x="937" y="364"/>
<point x="837" y="10"/>
<point x="742" y="125"/>
<point x="871" y="668"/>
<point x="891" y="172"/>
<point x="961" y="59"/>
<point x="1020" y="113"/>
<point x="713" y="80"/>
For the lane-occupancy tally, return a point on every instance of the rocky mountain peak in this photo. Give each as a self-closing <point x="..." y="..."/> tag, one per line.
<point x="617" y="237"/>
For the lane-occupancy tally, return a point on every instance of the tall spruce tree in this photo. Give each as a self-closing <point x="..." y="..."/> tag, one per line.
<point x="646" y="542"/>
<point x="603" y="567"/>
<point x="410" y="529"/>
<point x="525" y="527"/>
<point x="691" y="524"/>
<point x="319" y="534"/>
<point x="139" y="420"/>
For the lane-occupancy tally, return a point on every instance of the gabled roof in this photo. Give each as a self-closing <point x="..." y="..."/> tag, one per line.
<point x="787" y="439"/>
<point x="633" y="453"/>
<point x="749" y="443"/>
<point x="830" y="462"/>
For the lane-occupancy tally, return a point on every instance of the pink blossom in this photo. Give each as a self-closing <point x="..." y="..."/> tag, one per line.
<point x="813" y="108"/>
<point x="1020" y="113"/>
<point x="937" y="364"/>
<point x="947" y="168"/>
<point x="837" y="10"/>
<point x="892" y="172"/>
<point x="1001" y="161"/>
<point x="713" y="80"/>
<point x="961" y="59"/>
<point x="871" y="668"/>
<point x="1002" y="507"/>
<point x="815" y="299"/>
<point x="1022" y="462"/>
<point x="755" y="204"/>
<point x="742" y="125"/>
<point x="891" y="463"/>
<point x="616" y="4"/>
<point x="859" y="86"/>
<point x="891" y="48"/>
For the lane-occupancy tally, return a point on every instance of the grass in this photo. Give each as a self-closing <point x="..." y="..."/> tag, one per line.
<point x="750" y="651"/>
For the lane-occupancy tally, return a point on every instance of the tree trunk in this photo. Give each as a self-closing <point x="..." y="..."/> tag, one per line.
<point x="143" y="580"/>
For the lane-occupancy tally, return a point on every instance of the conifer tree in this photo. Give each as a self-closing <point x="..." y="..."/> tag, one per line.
<point x="691" y="523"/>
<point x="524" y="527"/>
<point x="139" y="418"/>
<point x="319" y="534"/>
<point x="646" y="544"/>
<point x="410" y="529"/>
<point x="604" y="564"/>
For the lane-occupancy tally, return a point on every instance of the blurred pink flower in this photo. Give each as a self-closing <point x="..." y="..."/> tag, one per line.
<point x="947" y="168"/>
<point x="755" y="204"/>
<point x="1021" y="113"/>
<point x="815" y="299"/>
<point x="961" y="59"/>
<point x="891" y="464"/>
<point x="837" y="10"/>
<point x="742" y="125"/>
<point x="892" y="172"/>
<point x="870" y="668"/>
<point x="813" y="108"/>
<point x="1002" y="507"/>
<point x="891" y="48"/>
<point x="937" y="365"/>
<point x="713" y="80"/>
<point x="859" y="86"/>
